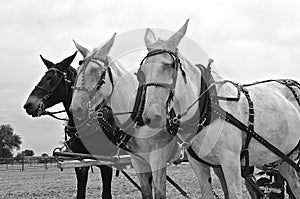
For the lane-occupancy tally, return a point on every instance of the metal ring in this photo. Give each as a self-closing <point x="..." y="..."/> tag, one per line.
<point x="77" y="135"/>
<point x="175" y="120"/>
<point x="100" y="114"/>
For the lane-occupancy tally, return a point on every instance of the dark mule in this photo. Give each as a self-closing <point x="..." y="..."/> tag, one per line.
<point x="55" y="87"/>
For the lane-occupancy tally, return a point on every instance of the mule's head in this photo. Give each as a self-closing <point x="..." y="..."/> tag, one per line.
<point x="159" y="73"/>
<point x="53" y="87"/>
<point x="94" y="82"/>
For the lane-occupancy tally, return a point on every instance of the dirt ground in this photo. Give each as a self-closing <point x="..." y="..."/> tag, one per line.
<point x="53" y="183"/>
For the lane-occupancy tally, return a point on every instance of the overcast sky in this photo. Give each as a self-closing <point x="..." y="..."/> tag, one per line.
<point x="249" y="40"/>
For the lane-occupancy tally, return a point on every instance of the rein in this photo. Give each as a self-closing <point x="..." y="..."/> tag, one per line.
<point x="52" y="114"/>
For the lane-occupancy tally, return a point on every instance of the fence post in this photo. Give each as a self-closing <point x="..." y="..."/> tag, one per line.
<point x="46" y="159"/>
<point x="22" y="161"/>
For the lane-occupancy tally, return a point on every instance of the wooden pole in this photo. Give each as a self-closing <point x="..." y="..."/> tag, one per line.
<point x="86" y="156"/>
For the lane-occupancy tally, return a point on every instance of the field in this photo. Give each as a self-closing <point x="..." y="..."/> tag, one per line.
<point x="53" y="183"/>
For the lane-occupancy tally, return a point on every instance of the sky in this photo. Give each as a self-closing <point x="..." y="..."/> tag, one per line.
<point x="249" y="40"/>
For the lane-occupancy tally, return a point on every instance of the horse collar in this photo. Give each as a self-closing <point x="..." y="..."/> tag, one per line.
<point x="203" y="115"/>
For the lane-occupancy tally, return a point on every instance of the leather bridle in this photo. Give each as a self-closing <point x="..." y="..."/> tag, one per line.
<point x="104" y="65"/>
<point x="170" y="87"/>
<point x="60" y="75"/>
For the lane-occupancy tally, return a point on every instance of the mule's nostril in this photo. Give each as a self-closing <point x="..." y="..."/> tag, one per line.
<point x="154" y="122"/>
<point x="147" y="121"/>
<point x="27" y="105"/>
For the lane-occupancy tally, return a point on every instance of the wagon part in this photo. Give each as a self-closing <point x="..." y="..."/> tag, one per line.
<point x="84" y="156"/>
<point x="255" y="185"/>
<point x="172" y="182"/>
<point x="278" y="179"/>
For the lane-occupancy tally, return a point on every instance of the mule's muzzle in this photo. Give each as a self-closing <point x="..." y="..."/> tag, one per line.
<point x="31" y="109"/>
<point x="155" y="121"/>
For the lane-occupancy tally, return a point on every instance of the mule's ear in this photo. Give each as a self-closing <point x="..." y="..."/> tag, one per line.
<point x="104" y="50"/>
<point x="49" y="64"/>
<point x="67" y="62"/>
<point x="175" y="39"/>
<point x="149" y="37"/>
<point x="84" y="52"/>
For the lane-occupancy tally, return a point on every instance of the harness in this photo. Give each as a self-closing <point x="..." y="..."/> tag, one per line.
<point x="209" y="108"/>
<point x="208" y="102"/>
<point x="62" y="76"/>
<point x="104" y="65"/>
<point x="176" y="65"/>
<point x="104" y="114"/>
<point x="249" y="129"/>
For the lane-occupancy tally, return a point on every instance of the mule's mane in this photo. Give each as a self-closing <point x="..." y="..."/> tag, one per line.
<point x="116" y="66"/>
<point x="73" y="71"/>
<point x="187" y="66"/>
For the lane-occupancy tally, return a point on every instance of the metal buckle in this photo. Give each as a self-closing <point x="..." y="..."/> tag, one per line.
<point x="183" y="146"/>
<point x="77" y="135"/>
<point x="40" y="108"/>
<point x="175" y="120"/>
<point x="202" y="123"/>
<point x="100" y="115"/>
<point x="119" y="144"/>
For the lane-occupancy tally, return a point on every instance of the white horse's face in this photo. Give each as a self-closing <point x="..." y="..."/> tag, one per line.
<point x="160" y="74"/>
<point x="157" y="69"/>
<point x="94" y="82"/>
<point x="93" y="85"/>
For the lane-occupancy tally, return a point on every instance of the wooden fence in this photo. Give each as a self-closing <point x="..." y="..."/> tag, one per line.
<point x="27" y="163"/>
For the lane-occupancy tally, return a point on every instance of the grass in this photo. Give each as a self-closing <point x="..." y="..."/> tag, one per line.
<point x="53" y="183"/>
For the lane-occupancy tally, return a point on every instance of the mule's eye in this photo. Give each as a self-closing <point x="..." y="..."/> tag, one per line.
<point x="98" y="87"/>
<point x="167" y="66"/>
<point x="48" y="78"/>
<point x="140" y="76"/>
<point x="80" y="62"/>
<point x="100" y="83"/>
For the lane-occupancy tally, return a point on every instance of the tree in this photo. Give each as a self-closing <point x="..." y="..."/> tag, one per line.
<point x="45" y="155"/>
<point x="28" y="152"/>
<point x="9" y="141"/>
<point x="19" y="156"/>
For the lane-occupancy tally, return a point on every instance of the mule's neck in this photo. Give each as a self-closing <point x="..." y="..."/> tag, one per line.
<point x="191" y="90"/>
<point x="122" y="98"/>
<point x="71" y="75"/>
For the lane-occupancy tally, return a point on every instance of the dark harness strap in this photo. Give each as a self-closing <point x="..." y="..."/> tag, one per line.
<point x="234" y="121"/>
<point x="205" y="111"/>
<point x="107" y="123"/>
<point x="221" y="113"/>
